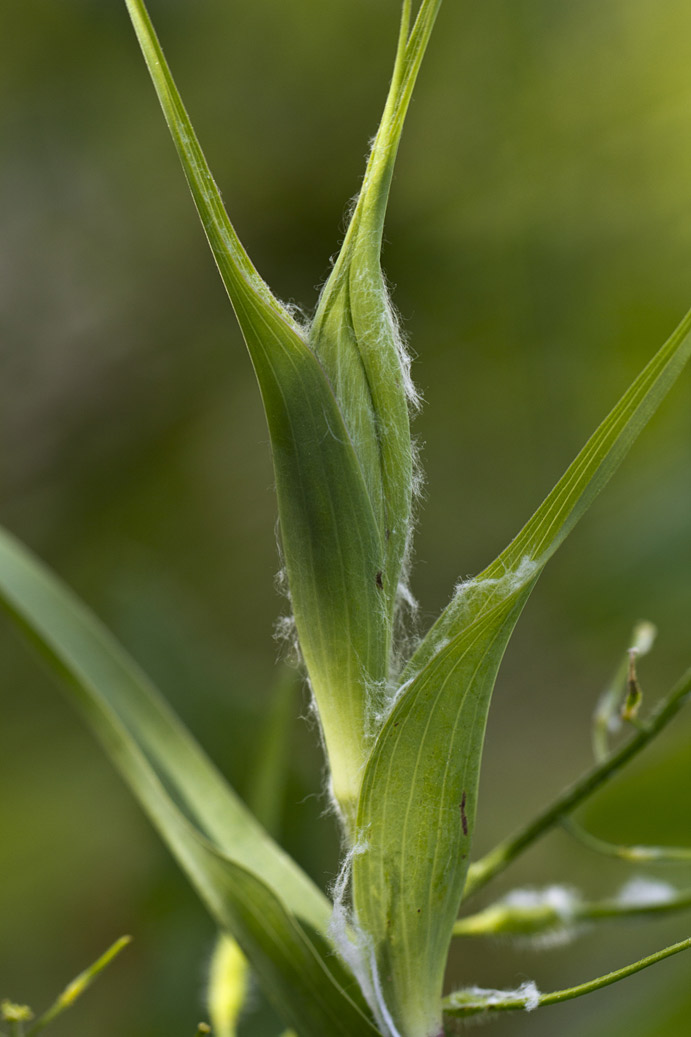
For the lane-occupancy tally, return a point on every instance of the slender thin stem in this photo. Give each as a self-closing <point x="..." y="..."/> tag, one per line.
<point x="464" y="1003"/>
<point x="507" y="918"/>
<point x="603" y="909"/>
<point x="633" y="854"/>
<point x="481" y="871"/>
<point x="77" y="986"/>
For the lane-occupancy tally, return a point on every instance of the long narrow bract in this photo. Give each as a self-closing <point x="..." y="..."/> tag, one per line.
<point x="334" y="548"/>
<point x="355" y="333"/>
<point x="419" y="792"/>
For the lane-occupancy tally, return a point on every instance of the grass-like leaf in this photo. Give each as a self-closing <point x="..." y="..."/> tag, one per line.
<point x="251" y="888"/>
<point x="354" y="332"/>
<point x="333" y="547"/>
<point x="419" y="792"/>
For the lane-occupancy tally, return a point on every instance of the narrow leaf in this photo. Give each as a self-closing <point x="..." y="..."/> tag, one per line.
<point x="355" y="333"/>
<point x="417" y="813"/>
<point x="588" y="474"/>
<point x="419" y="793"/>
<point x="266" y="786"/>
<point x="228" y="985"/>
<point x="82" y="651"/>
<point x="251" y="888"/>
<point x="333" y="547"/>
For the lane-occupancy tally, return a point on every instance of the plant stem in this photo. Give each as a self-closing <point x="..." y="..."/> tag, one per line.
<point x="494" y="862"/>
<point x="509" y="919"/>
<point x="462" y="1003"/>
<point x="633" y="854"/>
<point x="78" y="986"/>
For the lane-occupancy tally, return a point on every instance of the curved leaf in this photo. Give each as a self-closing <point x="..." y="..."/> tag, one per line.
<point x="85" y="654"/>
<point x="250" y="886"/>
<point x="419" y="791"/>
<point x="333" y="546"/>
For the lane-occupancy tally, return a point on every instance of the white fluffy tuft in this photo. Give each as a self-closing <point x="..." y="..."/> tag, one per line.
<point x="561" y="899"/>
<point x="643" y="892"/>
<point x="510" y="580"/>
<point x="354" y="946"/>
<point x="527" y="993"/>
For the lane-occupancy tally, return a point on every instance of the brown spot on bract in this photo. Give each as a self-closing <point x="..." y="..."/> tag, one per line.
<point x="379" y="580"/>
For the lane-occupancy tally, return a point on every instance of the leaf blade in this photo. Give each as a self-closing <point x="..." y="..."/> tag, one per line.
<point x="249" y="885"/>
<point x="573" y="494"/>
<point x="332" y="546"/>
<point x="355" y="331"/>
<point x="448" y="688"/>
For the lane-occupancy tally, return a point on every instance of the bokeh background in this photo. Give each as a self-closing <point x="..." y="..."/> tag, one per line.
<point x="539" y="241"/>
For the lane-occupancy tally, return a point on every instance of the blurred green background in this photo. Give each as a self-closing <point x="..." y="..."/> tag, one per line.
<point x="539" y="241"/>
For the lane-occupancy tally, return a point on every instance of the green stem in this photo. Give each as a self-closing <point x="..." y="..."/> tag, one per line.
<point x="505" y="918"/>
<point x="481" y="871"/>
<point x="462" y="1003"/>
<point x="603" y="909"/>
<point x="633" y="854"/>
<point x="77" y="986"/>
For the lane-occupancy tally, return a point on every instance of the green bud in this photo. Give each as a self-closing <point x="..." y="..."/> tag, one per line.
<point x="228" y="986"/>
<point x="13" y="1013"/>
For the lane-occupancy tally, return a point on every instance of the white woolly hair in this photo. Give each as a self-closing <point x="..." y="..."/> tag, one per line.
<point x="645" y="892"/>
<point x="564" y="902"/>
<point x="353" y="945"/>
<point x="509" y="580"/>
<point x="379" y="696"/>
<point x="527" y="993"/>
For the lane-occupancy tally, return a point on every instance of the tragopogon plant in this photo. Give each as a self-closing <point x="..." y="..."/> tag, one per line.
<point x="403" y="734"/>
